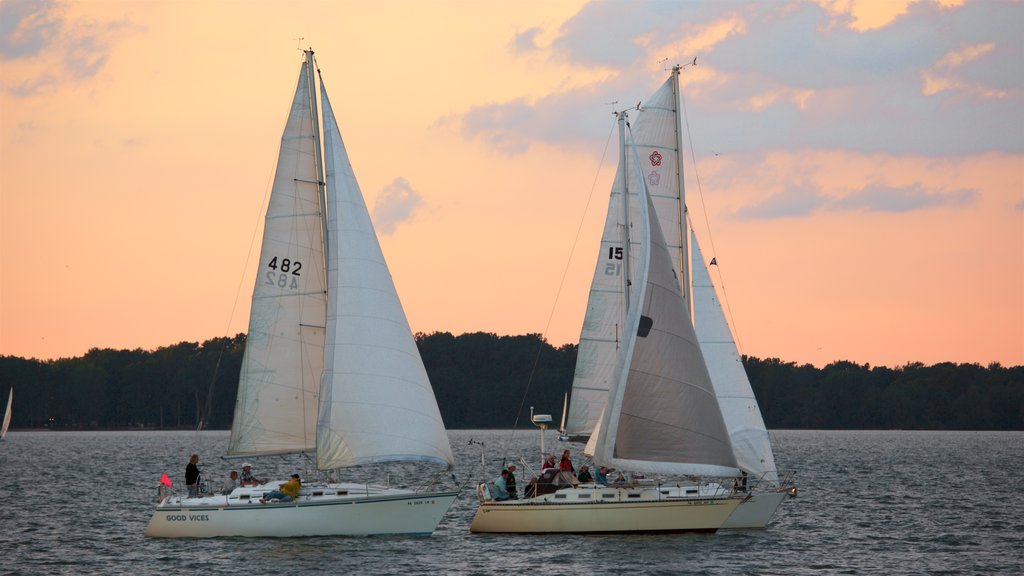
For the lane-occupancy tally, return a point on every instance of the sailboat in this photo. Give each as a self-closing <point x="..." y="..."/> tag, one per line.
<point x="659" y="145"/>
<point x="660" y="416"/>
<point x="330" y="364"/>
<point x="7" y="414"/>
<point x="561" y="427"/>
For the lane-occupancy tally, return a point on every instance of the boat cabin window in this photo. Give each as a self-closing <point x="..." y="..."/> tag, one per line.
<point x="584" y="496"/>
<point x="560" y="496"/>
<point x="607" y="495"/>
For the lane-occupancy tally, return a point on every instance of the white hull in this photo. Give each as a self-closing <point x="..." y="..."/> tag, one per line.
<point x="597" y="510"/>
<point x="756" y="511"/>
<point x="326" y="510"/>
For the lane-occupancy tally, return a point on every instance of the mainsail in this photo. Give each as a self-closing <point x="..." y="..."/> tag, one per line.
<point x="656" y="134"/>
<point x="279" y="385"/>
<point x="661" y="414"/>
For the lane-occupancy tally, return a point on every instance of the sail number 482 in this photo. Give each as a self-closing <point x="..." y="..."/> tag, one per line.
<point x="283" y="273"/>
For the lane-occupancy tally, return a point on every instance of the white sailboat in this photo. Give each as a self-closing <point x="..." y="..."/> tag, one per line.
<point x="660" y="416"/>
<point x="330" y="364"/>
<point x="659" y="145"/>
<point x="7" y="414"/>
<point x="561" y="427"/>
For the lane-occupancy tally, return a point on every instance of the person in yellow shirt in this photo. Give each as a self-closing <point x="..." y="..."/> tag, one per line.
<point x="286" y="492"/>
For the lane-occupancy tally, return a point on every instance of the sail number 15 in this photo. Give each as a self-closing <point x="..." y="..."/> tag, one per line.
<point x="283" y="273"/>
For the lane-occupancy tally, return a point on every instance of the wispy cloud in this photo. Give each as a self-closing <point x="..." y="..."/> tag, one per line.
<point x="43" y="48"/>
<point x="804" y="200"/>
<point x="395" y="204"/>
<point x="27" y="27"/>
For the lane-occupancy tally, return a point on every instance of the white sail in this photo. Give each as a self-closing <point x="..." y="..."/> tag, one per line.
<point x="278" y="389"/>
<point x="376" y="402"/>
<point x="7" y="414"/>
<point x="747" y="432"/>
<point x="656" y="132"/>
<point x="662" y="415"/>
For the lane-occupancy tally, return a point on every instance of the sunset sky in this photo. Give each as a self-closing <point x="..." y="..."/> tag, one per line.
<point x="859" y="163"/>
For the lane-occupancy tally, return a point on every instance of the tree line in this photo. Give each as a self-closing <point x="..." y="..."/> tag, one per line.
<point x="482" y="380"/>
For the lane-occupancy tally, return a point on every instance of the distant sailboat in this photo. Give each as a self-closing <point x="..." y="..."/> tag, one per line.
<point x="660" y="415"/>
<point x="7" y="414"/>
<point x="561" y="427"/>
<point x="330" y="363"/>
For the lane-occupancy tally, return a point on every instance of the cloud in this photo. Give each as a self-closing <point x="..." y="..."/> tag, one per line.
<point x="925" y="77"/>
<point x="396" y="203"/>
<point x="27" y="27"/>
<point x="43" y="48"/>
<point x="881" y="198"/>
<point x="803" y="200"/>
<point x="527" y="41"/>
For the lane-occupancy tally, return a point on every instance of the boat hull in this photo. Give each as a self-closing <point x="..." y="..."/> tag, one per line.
<point x="756" y="511"/>
<point x="543" y="516"/>
<point x="387" y="512"/>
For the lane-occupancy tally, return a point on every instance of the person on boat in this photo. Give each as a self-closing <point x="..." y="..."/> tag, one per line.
<point x="567" y="471"/>
<point x="601" y="475"/>
<point x="510" y="483"/>
<point x="500" y="491"/>
<point x="531" y="489"/>
<point x="286" y="492"/>
<point x="192" y="476"/>
<point x="230" y="484"/>
<point x="740" y="484"/>
<point x="549" y="462"/>
<point x="247" y="477"/>
<point x="584" y="475"/>
<point x="619" y="480"/>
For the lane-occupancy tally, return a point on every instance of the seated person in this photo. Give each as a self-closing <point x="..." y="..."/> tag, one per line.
<point x="601" y="476"/>
<point x="286" y="492"/>
<point x="230" y="484"/>
<point x="247" y="477"/>
<point x="500" y="490"/>
<point x="584" y="475"/>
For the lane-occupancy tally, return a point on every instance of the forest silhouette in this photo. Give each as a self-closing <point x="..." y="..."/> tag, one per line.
<point x="482" y="380"/>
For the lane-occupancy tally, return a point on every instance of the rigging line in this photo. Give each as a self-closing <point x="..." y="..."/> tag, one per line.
<point x="707" y="224"/>
<point x="561" y="284"/>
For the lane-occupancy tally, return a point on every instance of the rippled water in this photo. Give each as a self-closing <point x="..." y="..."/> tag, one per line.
<point x="870" y="503"/>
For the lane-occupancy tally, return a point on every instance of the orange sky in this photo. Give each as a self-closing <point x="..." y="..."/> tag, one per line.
<point x="866" y="201"/>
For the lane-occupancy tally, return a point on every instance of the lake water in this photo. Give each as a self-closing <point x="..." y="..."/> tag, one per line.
<point x="870" y="503"/>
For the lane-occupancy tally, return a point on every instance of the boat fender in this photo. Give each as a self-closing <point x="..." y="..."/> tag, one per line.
<point x="483" y="493"/>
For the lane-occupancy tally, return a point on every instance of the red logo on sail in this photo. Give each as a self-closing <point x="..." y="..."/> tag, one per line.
<point x="655" y="158"/>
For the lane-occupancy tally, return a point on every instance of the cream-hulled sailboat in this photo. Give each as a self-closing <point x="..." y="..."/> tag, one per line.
<point x="657" y="132"/>
<point x="660" y="415"/>
<point x="330" y="363"/>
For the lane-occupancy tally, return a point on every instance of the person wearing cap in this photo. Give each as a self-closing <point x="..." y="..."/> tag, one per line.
<point x="247" y="477"/>
<point x="286" y="492"/>
<point x="510" y="483"/>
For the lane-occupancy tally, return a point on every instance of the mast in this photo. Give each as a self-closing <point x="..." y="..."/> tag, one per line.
<point x="318" y="160"/>
<point x="623" y="118"/>
<point x="684" y="265"/>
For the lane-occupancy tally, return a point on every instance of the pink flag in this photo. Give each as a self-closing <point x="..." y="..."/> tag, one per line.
<point x="165" y="480"/>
